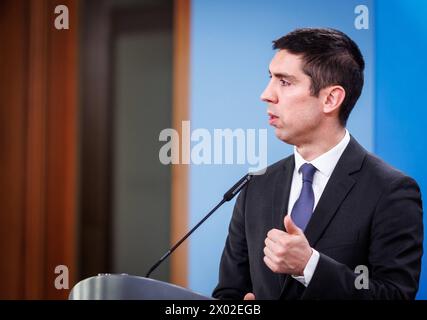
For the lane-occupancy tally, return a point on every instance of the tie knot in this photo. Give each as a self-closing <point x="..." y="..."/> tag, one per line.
<point x="307" y="170"/>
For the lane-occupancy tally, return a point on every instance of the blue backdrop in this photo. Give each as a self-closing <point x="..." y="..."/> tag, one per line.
<point x="400" y="112"/>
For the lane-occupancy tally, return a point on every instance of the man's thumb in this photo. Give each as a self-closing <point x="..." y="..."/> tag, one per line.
<point x="249" y="296"/>
<point x="290" y="226"/>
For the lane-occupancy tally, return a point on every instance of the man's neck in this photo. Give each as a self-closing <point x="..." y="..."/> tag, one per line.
<point x="320" y="144"/>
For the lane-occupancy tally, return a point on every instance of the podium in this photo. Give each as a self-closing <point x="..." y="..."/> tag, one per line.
<point x="128" y="287"/>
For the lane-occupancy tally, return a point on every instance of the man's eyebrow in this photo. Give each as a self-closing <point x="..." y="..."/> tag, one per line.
<point x="283" y="75"/>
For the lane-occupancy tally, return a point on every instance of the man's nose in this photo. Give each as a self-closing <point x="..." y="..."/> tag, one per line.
<point x="268" y="95"/>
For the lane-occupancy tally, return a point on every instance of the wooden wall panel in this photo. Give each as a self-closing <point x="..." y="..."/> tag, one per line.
<point x="35" y="196"/>
<point x="13" y="78"/>
<point x="179" y="215"/>
<point x="61" y="141"/>
<point x="38" y="143"/>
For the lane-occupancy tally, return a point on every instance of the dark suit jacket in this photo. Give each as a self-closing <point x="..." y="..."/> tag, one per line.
<point x="369" y="214"/>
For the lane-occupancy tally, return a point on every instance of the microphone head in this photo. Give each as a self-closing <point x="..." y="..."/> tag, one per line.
<point x="230" y="194"/>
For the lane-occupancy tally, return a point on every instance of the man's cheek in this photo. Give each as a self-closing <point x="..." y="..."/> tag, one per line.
<point x="286" y="116"/>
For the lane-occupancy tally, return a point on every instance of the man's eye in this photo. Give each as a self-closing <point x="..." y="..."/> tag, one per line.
<point x="284" y="83"/>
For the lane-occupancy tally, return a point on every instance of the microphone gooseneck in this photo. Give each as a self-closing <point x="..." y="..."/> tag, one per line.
<point x="230" y="194"/>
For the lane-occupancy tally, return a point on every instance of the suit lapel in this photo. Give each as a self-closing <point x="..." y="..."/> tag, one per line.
<point x="280" y="201"/>
<point x="281" y="193"/>
<point x="339" y="185"/>
<point x="332" y="197"/>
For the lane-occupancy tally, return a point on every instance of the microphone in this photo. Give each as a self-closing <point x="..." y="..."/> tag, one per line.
<point x="230" y="194"/>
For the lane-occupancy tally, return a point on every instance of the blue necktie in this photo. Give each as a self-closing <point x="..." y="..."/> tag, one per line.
<point x="303" y="207"/>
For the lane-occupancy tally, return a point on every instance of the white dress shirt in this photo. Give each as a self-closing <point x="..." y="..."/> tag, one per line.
<point x="325" y="165"/>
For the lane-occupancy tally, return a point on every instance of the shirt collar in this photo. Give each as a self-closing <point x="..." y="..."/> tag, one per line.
<point x="326" y="162"/>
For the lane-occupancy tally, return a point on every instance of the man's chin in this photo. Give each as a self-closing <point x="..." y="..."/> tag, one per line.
<point x="283" y="136"/>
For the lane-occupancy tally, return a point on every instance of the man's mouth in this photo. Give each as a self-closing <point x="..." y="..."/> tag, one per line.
<point x="272" y="118"/>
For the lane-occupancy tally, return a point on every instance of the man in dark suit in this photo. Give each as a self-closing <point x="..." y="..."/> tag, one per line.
<point x="331" y="221"/>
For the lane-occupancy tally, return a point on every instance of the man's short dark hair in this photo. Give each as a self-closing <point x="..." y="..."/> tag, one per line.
<point x="330" y="57"/>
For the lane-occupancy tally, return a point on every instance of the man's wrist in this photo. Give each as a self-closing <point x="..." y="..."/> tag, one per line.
<point x="309" y="269"/>
<point x="301" y="273"/>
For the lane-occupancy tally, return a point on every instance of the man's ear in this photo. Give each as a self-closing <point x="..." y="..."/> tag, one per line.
<point x="333" y="98"/>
